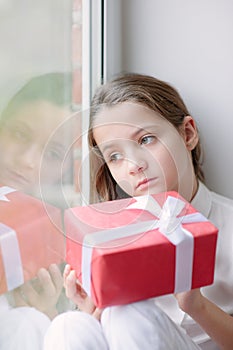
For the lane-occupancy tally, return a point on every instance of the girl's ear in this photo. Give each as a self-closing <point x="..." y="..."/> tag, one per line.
<point x="190" y="133"/>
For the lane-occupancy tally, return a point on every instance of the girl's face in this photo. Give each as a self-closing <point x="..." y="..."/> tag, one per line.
<point x="144" y="152"/>
<point x="31" y="153"/>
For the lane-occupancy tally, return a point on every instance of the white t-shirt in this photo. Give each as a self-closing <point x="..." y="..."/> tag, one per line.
<point x="218" y="210"/>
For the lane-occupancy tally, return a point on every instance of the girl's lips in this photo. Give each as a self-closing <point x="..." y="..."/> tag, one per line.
<point x="14" y="176"/>
<point x="145" y="183"/>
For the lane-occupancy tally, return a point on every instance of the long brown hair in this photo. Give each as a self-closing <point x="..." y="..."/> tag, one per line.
<point x="157" y="95"/>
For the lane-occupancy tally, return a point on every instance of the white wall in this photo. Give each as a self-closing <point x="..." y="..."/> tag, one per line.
<point x="189" y="44"/>
<point x="113" y="38"/>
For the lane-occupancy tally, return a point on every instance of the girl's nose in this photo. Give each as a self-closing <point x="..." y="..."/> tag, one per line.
<point x="30" y="158"/>
<point x="137" y="166"/>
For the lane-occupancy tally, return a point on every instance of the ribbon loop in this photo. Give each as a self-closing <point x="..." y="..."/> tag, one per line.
<point x="4" y="190"/>
<point x="170" y="225"/>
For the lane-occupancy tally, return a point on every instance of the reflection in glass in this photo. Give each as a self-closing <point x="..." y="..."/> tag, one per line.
<point x="40" y="151"/>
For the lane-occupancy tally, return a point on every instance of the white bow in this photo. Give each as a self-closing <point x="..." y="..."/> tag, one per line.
<point x="4" y="190"/>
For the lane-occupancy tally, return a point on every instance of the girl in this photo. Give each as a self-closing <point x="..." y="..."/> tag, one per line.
<point x="32" y="153"/>
<point x="144" y="141"/>
<point x="29" y="162"/>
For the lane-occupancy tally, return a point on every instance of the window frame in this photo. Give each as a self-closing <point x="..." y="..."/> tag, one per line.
<point x="92" y="75"/>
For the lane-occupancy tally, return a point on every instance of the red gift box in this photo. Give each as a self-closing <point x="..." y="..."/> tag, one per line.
<point x="30" y="237"/>
<point x="133" y="249"/>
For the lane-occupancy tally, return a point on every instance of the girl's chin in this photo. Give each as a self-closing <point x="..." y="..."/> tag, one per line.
<point x="29" y="189"/>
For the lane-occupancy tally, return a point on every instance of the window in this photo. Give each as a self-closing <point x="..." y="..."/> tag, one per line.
<point x="54" y="36"/>
<point x="51" y="63"/>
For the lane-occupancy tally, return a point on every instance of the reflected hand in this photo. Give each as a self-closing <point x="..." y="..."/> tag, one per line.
<point x="42" y="293"/>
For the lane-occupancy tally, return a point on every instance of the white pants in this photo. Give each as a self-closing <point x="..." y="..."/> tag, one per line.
<point x="22" y="328"/>
<point x="135" y="326"/>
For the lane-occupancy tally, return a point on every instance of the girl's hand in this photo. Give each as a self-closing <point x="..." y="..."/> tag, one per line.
<point x="43" y="292"/>
<point x="217" y="323"/>
<point x="190" y="302"/>
<point x="77" y="294"/>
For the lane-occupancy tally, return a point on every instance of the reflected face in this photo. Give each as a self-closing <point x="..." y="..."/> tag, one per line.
<point x="143" y="151"/>
<point x="31" y="150"/>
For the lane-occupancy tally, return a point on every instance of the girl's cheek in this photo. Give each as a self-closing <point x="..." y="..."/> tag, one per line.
<point x="120" y="176"/>
<point x="126" y="186"/>
<point x="176" y="151"/>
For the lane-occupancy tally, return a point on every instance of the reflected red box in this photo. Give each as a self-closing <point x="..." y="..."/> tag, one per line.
<point x="31" y="237"/>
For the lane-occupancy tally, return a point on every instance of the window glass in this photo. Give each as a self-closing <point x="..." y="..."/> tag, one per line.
<point x="45" y="69"/>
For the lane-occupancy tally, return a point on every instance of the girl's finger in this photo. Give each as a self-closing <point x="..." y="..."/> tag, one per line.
<point x="56" y="276"/>
<point x="97" y="313"/>
<point x="82" y="292"/>
<point x="66" y="271"/>
<point x="19" y="298"/>
<point x="46" y="282"/>
<point x="29" y="293"/>
<point x="70" y="285"/>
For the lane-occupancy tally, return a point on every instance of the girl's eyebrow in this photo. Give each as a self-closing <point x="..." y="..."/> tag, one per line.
<point x="134" y="135"/>
<point x="59" y="146"/>
<point x="108" y="146"/>
<point x="145" y="128"/>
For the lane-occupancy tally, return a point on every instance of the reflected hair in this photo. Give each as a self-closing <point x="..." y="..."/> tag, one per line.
<point x="54" y="87"/>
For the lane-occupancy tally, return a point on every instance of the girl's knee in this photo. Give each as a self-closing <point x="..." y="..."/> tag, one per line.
<point x="74" y="330"/>
<point x="133" y="319"/>
<point x="143" y="310"/>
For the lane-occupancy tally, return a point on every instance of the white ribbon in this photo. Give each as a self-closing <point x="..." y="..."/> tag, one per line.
<point x="168" y="223"/>
<point x="4" y="190"/>
<point x="11" y="257"/>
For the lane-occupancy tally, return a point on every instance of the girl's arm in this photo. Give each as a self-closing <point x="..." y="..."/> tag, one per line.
<point x="215" y="322"/>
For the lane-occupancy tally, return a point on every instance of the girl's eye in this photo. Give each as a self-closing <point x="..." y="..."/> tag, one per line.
<point x="53" y="155"/>
<point x="20" y="135"/>
<point x="115" y="157"/>
<point x="145" y="140"/>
